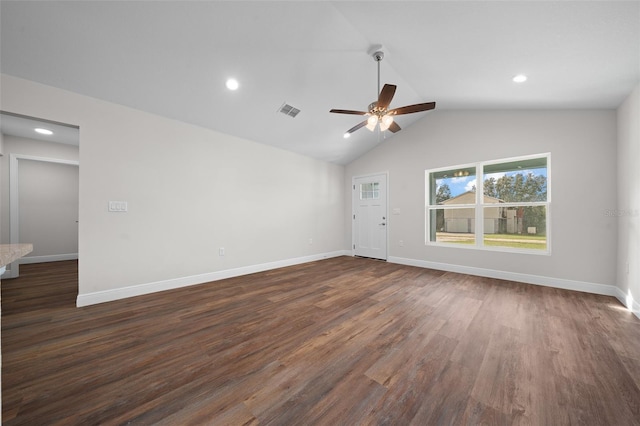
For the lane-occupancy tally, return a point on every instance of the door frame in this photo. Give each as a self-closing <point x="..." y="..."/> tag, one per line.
<point x="353" y="211"/>
<point x="14" y="208"/>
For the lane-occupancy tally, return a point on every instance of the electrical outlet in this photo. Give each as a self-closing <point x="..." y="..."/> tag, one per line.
<point x="401" y="243"/>
<point x="310" y="241"/>
<point x="221" y="251"/>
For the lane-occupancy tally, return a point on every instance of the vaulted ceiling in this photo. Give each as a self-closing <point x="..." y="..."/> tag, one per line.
<point x="172" y="58"/>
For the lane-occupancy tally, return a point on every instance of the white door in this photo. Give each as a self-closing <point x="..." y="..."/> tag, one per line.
<point x="370" y="216"/>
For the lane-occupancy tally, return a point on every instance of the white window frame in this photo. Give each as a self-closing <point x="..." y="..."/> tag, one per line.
<point x="480" y="206"/>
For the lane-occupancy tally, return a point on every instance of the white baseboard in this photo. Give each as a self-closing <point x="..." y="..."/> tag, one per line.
<point x="138" y="290"/>
<point x="604" y="289"/>
<point x="627" y="300"/>
<point x="5" y="273"/>
<point x="48" y="258"/>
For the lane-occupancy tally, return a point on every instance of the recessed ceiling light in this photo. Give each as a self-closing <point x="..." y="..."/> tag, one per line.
<point x="520" y="78"/>
<point x="232" y="84"/>
<point x="44" y="131"/>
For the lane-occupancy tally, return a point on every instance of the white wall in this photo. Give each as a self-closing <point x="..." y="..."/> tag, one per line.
<point x="48" y="203"/>
<point x="628" y="207"/>
<point x="190" y="191"/>
<point x="583" y="178"/>
<point x="48" y="198"/>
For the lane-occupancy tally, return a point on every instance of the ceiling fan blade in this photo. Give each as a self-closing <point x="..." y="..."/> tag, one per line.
<point x="410" y="109"/>
<point x="348" y="111"/>
<point x="386" y="94"/>
<point x="394" y="127"/>
<point x="356" y="127"/>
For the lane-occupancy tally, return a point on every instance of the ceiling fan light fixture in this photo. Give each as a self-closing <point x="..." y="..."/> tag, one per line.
<point x="386" y="122"/>
<point x="371" y="122"/>
<point x="346" y="135"/>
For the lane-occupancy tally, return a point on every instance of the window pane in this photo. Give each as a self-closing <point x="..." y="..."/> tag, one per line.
<point x="517" y="181"/>
<point x="369" y="190"/>
<point x="455" y="186"/>
<point x="375" y="190"/>
<point x="456" y="226"/>
<point x="522" y="227"/>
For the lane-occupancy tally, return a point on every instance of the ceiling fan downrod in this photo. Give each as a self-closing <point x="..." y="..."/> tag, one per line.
<point x="378" y="56"/>
<point x="378" y="115"/>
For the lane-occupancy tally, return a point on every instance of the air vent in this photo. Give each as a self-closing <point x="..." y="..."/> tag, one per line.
<point x="289" y="110"/>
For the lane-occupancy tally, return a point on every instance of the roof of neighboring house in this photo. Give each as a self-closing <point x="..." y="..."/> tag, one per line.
<point x="459" y="199"/>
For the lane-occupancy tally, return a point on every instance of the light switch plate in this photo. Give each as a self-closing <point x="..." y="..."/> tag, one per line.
<point x="118" y="206"/>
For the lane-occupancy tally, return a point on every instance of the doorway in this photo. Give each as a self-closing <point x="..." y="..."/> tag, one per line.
<point x="40" y="188"/>
<point x="44" y="203"/>
<point x="370" y="213"/>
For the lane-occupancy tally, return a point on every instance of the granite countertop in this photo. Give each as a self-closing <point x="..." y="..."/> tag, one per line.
<point x="11" y="252"/>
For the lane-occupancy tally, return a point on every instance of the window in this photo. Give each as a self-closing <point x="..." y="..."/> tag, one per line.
<point x="511" y="214"/>
<point x="369" y="190"/>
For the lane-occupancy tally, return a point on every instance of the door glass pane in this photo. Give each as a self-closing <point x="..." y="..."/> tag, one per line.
<point x="523" y="227"/>
<point x="369" y="190"/>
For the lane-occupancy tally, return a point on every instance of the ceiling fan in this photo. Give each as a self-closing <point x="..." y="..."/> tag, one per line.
<point x="379" y="112"/>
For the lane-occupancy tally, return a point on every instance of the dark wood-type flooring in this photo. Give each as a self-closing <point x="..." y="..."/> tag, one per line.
<point x="343" y="341"/>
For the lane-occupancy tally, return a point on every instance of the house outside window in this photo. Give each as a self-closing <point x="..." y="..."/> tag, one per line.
<point x="496" y="205"/>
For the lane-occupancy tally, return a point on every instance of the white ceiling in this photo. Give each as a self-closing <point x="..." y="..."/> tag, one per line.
<point x="172" y="58"/>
